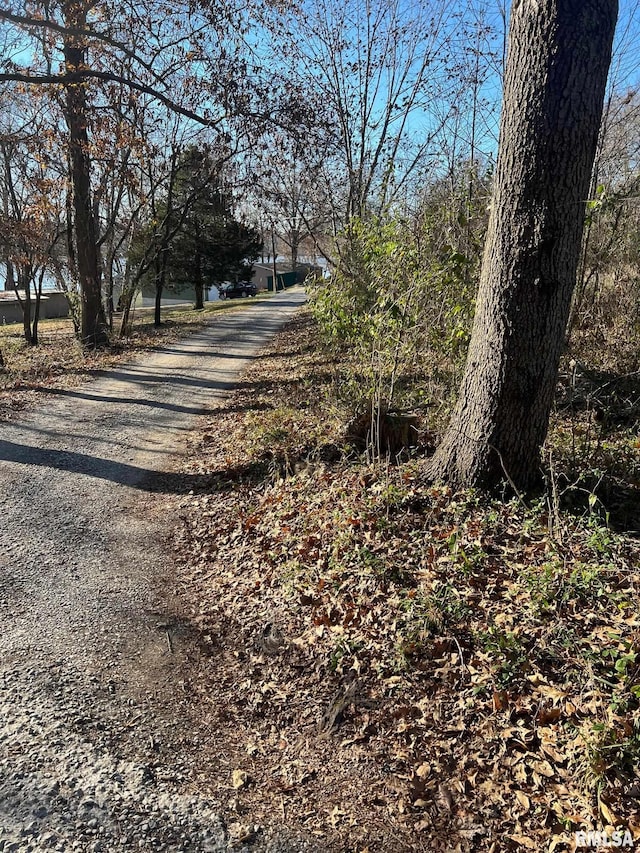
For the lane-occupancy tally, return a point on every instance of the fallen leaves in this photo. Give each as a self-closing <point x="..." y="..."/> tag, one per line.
<point x="394" y="659"/>
<point x="240" y="779"/>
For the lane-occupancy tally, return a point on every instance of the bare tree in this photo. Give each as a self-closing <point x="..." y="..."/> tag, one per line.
<point x="149" y="50"/>
<point x="32" y="223"/>
<point x="288" y="193"/>
<point x="386" y="75"/>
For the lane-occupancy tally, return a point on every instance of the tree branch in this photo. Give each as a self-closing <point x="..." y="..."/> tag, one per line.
<point x="28" y="21"/>
<point x="107" y="76"/>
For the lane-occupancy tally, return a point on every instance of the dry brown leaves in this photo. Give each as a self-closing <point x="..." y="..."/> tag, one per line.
<point x="391" y="666"/>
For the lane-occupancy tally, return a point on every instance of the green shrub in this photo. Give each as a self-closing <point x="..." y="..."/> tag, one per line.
<point x="393" y="300"/>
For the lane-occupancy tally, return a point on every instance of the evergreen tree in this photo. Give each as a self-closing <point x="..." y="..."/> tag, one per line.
<point x="209" y="244"/>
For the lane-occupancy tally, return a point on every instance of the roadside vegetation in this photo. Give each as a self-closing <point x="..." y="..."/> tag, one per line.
<point x="397" y="664"/>
<point x="393" y="665"/>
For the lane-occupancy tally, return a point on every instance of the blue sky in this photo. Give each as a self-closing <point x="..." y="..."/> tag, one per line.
<point x="625" y="66"/>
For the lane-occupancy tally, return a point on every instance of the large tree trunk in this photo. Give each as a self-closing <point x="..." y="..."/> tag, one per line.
<point x="93" y="329"/>
<point x="557" y="63"/>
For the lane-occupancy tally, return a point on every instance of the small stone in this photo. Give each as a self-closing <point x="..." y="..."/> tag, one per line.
<point x="241" y="832"/>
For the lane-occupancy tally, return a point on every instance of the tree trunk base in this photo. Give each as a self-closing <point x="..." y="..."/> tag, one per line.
<point x="482" y="468"/>
<point x="97" y="340"/>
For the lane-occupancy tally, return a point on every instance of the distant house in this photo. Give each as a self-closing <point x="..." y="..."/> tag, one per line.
<point x="53" y="304"/>
<point x="263" y="275"/>
<point x="186" y="294"/>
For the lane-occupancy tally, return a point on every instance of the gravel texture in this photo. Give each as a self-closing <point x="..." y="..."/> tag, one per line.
<point x="95" y="753"/>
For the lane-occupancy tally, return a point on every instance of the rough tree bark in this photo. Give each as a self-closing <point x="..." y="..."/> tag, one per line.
<point x="94" y="329"/>
<point x="557" y="63"/>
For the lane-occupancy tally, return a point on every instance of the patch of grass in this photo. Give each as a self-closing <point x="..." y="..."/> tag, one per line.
<point x="611" y="752"/>
<point x="271" y="431"/>
<point x="507" y="654"/>
<point x="554" y="585"/>
<point x="425" y="615"/>
<point x="468" y="556"/>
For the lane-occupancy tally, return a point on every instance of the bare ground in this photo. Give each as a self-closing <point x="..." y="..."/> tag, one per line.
<point x="97" y="748"/>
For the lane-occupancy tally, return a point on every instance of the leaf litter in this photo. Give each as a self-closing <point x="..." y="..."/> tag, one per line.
<point x="391" y="665"/>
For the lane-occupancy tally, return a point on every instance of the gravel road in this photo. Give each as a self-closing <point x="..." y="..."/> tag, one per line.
<point x="95" y="754"/>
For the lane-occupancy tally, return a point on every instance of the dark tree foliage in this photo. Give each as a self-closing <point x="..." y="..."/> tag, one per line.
<point x="209" y="244"/>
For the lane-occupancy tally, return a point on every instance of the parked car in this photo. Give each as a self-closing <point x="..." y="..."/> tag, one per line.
<point x="231" y="291"/>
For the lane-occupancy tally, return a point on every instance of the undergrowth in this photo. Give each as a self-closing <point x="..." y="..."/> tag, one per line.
<point x="473" y="661"/>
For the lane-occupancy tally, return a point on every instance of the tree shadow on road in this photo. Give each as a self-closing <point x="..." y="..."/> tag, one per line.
<point x="123" y="473"/>
<point x="137" y="401"/>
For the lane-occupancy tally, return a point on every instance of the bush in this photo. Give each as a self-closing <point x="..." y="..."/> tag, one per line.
<point x="393" y="300"/>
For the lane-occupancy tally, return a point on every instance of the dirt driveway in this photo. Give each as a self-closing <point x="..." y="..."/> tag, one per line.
<point x="94" y="664"/>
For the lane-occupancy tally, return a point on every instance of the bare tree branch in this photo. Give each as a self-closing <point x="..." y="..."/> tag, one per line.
<point x="77" y="32"/>
<point x="109" y="77"/>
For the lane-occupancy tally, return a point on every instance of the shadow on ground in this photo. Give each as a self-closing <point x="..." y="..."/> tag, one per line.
<point x="144" y="479"/>
<point x="617" y="503"/>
